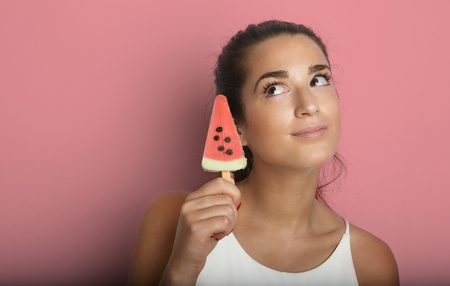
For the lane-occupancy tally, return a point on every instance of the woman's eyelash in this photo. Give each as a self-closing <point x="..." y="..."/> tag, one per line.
<point x="325" y="75"/>
<point x="270" y="84"/>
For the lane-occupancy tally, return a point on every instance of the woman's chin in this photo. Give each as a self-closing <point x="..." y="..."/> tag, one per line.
<point x="316" y="161"/>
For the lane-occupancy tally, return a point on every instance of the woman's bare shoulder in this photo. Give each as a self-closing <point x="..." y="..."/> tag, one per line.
<point x="155" y="240"/>
<point x="373" y="259"/>
<point x="165" y="207"/>
<point x="163" y="212"/>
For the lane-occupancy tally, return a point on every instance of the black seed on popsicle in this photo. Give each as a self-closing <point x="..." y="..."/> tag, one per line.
<point x="220" y="148"/>
<point x="227" y="139"/>
<point x="216" y="138"/>
<point x="219" y="129"/>
<point x="229" y="152"/>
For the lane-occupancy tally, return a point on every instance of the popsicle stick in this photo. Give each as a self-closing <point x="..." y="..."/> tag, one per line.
<point x="226" y="175"/>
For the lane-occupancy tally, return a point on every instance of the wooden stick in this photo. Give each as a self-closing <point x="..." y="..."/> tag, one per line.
<point x="226" y="175"/>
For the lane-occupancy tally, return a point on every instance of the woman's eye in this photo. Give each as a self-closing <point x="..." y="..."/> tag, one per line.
<point x="319" y="81"/>
<point x="274" y="89"/>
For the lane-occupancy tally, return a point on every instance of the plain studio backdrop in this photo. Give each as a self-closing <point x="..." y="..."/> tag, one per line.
<point x="105" y="104"/>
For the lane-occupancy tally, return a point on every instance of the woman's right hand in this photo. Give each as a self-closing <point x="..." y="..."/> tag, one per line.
<point x="208" y="215"/>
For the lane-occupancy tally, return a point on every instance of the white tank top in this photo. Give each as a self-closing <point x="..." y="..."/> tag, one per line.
<point x="229" y="264"/>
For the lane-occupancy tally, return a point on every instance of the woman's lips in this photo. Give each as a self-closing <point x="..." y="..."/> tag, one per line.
<point x="312" y="132"/>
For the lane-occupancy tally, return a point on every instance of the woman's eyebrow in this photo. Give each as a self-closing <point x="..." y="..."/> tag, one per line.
<point x="285" y="74"/>
<point x="315" y="68"/>
<point x="278" y="74"/>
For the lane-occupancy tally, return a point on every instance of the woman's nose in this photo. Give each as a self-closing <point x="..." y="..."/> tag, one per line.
<point x="306" y="104"/>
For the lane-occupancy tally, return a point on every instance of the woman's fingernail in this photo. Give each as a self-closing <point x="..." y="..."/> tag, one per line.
<point x="230" y="231"/>
<point x="238" y="206"/>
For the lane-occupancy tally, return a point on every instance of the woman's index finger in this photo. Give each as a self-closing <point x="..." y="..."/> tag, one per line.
<point x="217" y="187"/>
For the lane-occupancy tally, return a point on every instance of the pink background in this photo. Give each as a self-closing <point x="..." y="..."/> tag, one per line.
<point x="104" y="105"/>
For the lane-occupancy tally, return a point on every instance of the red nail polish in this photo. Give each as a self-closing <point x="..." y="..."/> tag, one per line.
<point x="230" y="231"/>
<point x="238" y="206"/>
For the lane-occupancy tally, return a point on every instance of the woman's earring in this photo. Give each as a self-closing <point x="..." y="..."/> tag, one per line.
<point x="241" y="137"/>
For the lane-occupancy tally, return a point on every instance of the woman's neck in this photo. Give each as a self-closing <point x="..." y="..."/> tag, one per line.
<point x="282" y="198"/>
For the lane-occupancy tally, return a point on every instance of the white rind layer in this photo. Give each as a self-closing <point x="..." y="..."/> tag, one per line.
<point x="211" y="165"/>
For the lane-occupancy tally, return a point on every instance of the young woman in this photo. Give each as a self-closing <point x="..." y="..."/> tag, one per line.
<point x="270" y="228"/>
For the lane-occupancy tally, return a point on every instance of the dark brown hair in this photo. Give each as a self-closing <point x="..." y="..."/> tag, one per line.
<point x="230" y="75"/>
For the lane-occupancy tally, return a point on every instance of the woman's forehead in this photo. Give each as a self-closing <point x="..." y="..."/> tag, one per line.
<point x="283" y="51"/>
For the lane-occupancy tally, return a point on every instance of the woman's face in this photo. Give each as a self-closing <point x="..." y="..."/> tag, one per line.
<point x="292" y="116"/>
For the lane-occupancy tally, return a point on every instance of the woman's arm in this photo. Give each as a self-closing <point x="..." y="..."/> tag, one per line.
<point x="373" y="259"/>
<point x="155" y="240"/>
<point x="178" y="232"/>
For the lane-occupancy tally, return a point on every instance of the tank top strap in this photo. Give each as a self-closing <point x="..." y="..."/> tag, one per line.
<point x="347" y="226"/>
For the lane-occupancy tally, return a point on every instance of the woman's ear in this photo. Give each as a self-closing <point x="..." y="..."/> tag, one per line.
<point x="244" y="141"/>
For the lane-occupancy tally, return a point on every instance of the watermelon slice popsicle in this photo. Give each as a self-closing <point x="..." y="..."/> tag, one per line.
<point x="223" y="149"/>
